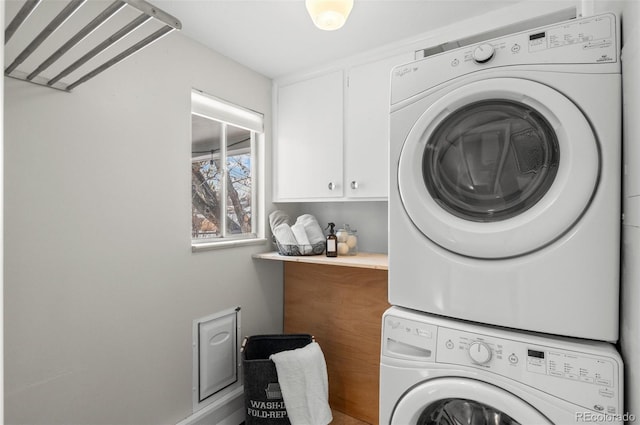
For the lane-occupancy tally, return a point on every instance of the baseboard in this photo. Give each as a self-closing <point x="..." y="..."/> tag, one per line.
<point x="228" y="410"/>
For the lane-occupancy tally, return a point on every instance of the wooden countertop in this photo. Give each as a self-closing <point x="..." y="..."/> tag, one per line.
<point x="365" y="260"/>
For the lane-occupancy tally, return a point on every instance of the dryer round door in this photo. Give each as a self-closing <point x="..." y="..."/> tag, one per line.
<point x="448" y="401"/>
<point x="498" y="168"/>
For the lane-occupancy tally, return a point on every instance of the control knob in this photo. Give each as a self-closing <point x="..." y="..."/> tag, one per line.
<point x="479" y="352"/>
<point x="483" y="53"/>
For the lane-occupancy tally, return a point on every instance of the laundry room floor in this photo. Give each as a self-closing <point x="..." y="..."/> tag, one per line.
<point x="340" y="418"/>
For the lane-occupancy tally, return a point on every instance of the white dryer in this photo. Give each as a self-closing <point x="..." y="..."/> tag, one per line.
<point x="439" y="371"/>
<point x="504" y="204"/>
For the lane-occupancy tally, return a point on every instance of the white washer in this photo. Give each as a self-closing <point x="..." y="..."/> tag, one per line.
<point x="504" y="204"/>
<point x="436" y="370"/>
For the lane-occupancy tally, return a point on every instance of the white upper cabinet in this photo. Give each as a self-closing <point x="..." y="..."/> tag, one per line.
<point x="367" y="128"/>
<point x="308" y="146"/>
<point x="331" y="135"/>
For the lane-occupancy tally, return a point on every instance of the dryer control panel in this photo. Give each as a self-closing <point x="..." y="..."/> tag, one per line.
<point x="586" y="44"/>
<point x="576" y="372"/>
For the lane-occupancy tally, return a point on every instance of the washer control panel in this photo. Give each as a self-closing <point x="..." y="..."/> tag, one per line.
<point x="578" y="374"/>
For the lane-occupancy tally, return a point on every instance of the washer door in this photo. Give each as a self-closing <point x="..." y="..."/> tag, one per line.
<point x="498" y="168"/>
<point x="452" y="401"/>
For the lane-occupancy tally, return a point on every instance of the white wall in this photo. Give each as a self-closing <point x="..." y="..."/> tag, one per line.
<point x="630" y="294"/>
<point x="2" y="220"/>
<point x="369" y="218"/>
<point x="101" y="286"/>
<point x="629" y="11"/>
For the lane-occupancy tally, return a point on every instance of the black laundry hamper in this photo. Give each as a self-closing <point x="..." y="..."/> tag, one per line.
<point x="262" y="397"/>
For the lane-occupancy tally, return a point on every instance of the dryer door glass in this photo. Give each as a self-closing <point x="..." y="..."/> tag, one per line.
<point x="490" y="160"/>
<point x="459" y="411"/>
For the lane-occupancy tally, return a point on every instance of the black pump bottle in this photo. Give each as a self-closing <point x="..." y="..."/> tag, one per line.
<point x="332" y="242"/>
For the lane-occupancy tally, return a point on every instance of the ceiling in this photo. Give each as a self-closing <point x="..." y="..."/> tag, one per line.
<point x="277" y="37"/>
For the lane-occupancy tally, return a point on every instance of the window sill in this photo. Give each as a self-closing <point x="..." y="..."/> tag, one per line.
<point x="208" y="246"/>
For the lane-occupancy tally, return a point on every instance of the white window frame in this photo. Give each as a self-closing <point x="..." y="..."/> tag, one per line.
<point x="226" y="113"/>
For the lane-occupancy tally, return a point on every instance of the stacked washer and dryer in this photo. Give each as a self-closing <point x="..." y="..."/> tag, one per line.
<point x="504" y="232"/>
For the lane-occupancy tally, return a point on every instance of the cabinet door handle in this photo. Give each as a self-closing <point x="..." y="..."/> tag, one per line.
<point x="332" y="185"/>
<point x="354" y="184"/>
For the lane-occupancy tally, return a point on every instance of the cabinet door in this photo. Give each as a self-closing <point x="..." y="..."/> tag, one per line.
<point x="367" y="128"/>
<point x="308" y="148"/>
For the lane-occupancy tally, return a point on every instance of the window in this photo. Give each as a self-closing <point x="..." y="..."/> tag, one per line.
<point x="224" y="179"/>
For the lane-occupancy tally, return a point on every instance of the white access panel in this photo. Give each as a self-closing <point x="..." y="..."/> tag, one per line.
<point x="215" y="349"/>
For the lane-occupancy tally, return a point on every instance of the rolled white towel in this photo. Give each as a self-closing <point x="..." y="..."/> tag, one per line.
<point x="312" y="228"/>
<point x="301" y="237"/>
<point x="278" y="217"/>
<point x="284" y="235"/>
<point x="300" y="234"/>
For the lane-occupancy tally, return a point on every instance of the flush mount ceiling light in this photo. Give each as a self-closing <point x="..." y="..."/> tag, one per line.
<point x="329" y="15"/>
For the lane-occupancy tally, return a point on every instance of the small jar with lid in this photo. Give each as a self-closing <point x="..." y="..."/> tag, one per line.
<point x="347" y="241"/>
